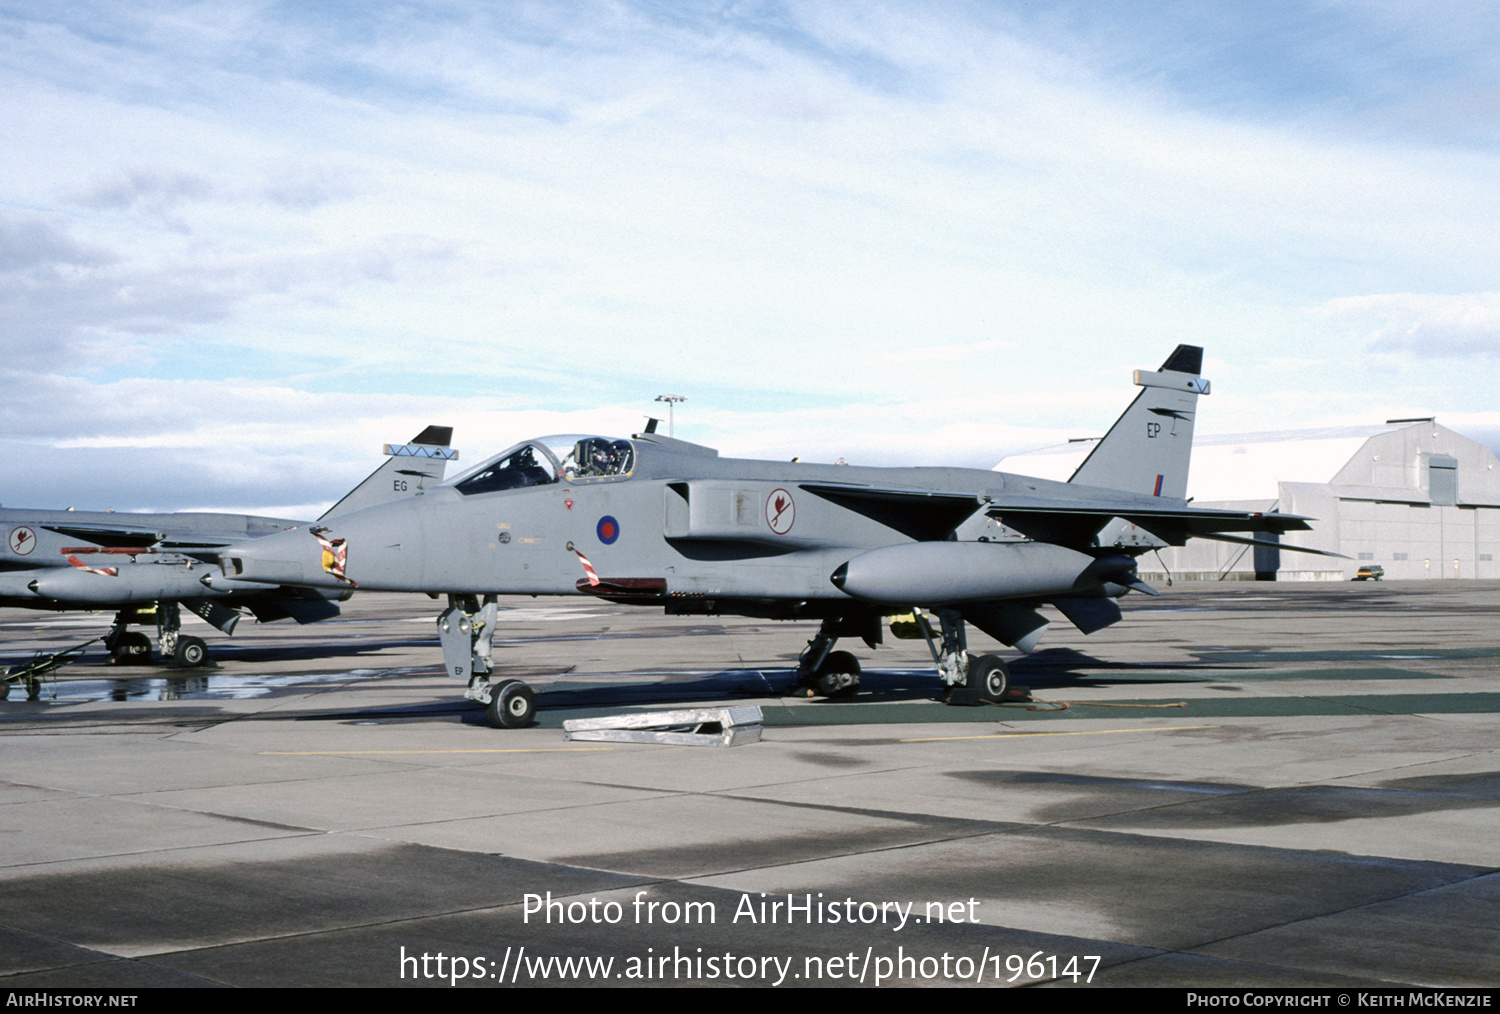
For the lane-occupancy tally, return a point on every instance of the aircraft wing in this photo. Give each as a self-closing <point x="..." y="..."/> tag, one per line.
<point x="924" y="515"/>
<point x="200" y="547"/>
<point x="929" y="515"/>
<point x="1272" y="545"/>
<point x="1077" y="521"/>
<point x="109" y="536"/>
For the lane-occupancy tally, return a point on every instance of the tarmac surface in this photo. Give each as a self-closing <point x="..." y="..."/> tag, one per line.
<point x="1250" y="785"/>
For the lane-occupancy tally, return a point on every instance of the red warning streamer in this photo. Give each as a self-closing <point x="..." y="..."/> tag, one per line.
<point x="588" y="569"/>
<point x="106" y="571"/>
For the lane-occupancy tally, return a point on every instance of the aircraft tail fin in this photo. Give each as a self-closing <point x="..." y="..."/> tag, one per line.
<point x="1148" y="448"/>
<point x="411" y="468"/>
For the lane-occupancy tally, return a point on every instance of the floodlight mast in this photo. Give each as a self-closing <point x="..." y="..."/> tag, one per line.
<point x="671" y="400"/>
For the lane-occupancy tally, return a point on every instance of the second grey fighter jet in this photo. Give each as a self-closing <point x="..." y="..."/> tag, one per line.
<point x="661" y="522"/>
<point x="149" y="567"/>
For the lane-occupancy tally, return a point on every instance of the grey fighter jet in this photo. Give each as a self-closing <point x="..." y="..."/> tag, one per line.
<point x="662" y="522"/>
<point x="151" y="566"/>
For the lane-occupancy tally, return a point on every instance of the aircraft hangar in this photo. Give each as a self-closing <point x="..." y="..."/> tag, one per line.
<point x="1410" y="496"/>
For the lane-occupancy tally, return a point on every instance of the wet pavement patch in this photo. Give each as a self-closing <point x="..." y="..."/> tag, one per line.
<point x="127" y="908"/>
<point x="750" y="851"/>
<point x="1481" y="784"/>
<point x="198" y="685"/>
<point x="861" y="713"/>
<point x="1248" y="806"/>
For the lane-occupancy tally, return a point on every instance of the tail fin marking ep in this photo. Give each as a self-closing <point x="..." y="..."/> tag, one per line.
<point x="1149" y="447"/>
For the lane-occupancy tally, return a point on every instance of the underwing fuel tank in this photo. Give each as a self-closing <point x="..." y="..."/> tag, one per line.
<point x="140" y="582"/>
<point x="939" y="573"/>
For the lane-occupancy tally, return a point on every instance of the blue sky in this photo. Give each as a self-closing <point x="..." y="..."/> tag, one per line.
<point x="244" y="244"/>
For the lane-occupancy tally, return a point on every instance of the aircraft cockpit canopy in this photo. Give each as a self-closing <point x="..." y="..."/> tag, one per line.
<point x="599" y="458"/>
<point x="568" y="458"/>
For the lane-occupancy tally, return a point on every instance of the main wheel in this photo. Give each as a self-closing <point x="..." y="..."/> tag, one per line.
<point x="190" y="654"/>
<point x="838" y="676"/>
<point x="512" y="705"/>
<point x="988" y="678"/>
<point x="133" y="648"/>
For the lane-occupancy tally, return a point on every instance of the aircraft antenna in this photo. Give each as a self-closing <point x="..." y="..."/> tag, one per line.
<point x="671" y="400"/>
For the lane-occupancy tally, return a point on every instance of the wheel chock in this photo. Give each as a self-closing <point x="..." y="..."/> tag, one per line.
<point x="696" y="727"/>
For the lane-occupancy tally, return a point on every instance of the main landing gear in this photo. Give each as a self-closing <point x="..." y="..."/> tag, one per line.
<point x="465" y="629"/>
<point x="825" y="672"/>
<point x="128" y="647"/>
<point x="987" y="683"/>
<point x="968" y="679"/>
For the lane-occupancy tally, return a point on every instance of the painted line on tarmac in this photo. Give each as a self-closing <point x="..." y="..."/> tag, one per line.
<point x="1038" y="735"/>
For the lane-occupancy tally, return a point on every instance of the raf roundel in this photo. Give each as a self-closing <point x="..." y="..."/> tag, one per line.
<point x="609" y="530"/>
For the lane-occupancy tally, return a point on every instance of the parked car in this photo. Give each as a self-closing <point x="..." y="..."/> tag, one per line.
<point x="1369" y="572"/>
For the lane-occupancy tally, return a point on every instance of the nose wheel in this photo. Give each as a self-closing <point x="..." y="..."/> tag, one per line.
<point x="466" y="630"/>
<point x="512" y="704"/>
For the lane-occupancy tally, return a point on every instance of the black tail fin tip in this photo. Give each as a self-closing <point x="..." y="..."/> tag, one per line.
<point x="1184" y="359"/>
<point x="442" y="436"/>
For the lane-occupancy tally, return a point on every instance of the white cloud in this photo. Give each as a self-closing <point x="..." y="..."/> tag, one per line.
<point x="894" y="226"/>
<point x="151" y="193"/>
<point x="31" y="242"/>
<point x="1423" y="325"/>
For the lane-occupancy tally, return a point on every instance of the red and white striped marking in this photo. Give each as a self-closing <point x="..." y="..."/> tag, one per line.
<point x="71" y="554"/>
<point x="588" y="569"/>
<point x="106" y="571"/>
